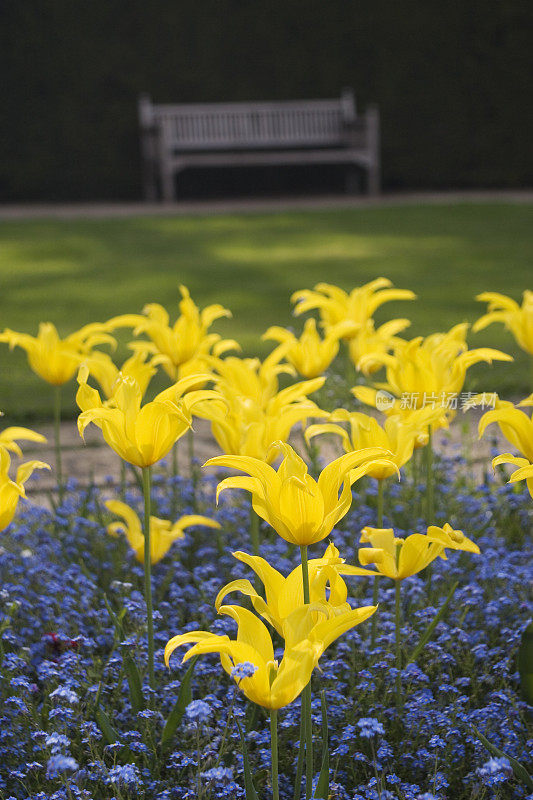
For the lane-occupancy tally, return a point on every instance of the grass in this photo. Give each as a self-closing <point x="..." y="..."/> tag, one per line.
<point x="73" y="272"/>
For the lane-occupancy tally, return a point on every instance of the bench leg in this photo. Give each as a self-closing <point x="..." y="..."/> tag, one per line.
<point x="374" y="179"/>
<point x="373" y="143"/>
<point x="352" y="180"/>
<point x="167" y="185"/>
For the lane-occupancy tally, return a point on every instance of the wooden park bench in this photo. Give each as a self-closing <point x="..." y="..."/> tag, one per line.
<point x="175" y="137"/>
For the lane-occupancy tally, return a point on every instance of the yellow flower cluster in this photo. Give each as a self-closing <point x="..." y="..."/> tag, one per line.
<point x="255" y="411"/>
<point x="247" y="409"/>
<point x="307" y="630"/>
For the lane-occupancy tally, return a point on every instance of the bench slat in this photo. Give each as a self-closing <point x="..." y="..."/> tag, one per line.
<point x="246" y="129"/>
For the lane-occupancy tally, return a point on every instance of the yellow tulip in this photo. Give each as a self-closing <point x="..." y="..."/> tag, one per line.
<point x="9" y="436"/>
<point x="336" y="305"/>
<point x="517" y="428"/>
<point x="257" y="413"/>
<point x="57" y="360"/>
<point x="251" y="378"/>
<point x="310" y="354"/>
<point x="369" y="340"/>
<point x="104" y="370"/>
<point x="432" y="369"/>
<point x="248" y="427"/>
<point x="141" y="436"/>
<point x="208" y="356"/>
<point x="274" y="684"/>
<point x="181" y="341"/>
<point x="11" y="491"/>
<point x="301" y="510"/>
<point x="162" y="532"/>
<point x="524" y="471"/>
<point x="250" y="431"/>
<point x="285" y="595"/>
<point x="517" y="319"/>
<point x="514" y="424"/>
<point x="394" y="408"/>
<point x="398" y="558"/>
<point x="397" y="436"/>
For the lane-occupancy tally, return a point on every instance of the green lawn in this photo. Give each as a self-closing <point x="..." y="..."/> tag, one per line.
<point x="73" y="272"/>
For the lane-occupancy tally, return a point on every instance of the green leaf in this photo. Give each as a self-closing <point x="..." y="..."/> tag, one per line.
<point x="184" y="698"/>
<point x="134" y="682"/>
<point x="520" y="772"/>
<point x="525" y="664"/>
<point x="428" y="633"/>
<point x="251" y="794"/>
<point x="116" y="620"/>
<point x="52" y="501"/>
<point x="322" y="787"/>
<point x="104" y="723"/>
<point x="130" y="667"/>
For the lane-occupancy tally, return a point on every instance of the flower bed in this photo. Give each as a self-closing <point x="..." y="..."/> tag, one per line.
<point x="382" y="646"/>
<point x="58" y="569"/>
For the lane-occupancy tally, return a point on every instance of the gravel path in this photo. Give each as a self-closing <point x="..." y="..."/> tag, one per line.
<point x="95" y="462"/>
<point x="104" y="210"/>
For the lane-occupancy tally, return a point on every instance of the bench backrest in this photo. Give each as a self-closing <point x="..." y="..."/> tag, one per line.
<point x="228" y="126"/>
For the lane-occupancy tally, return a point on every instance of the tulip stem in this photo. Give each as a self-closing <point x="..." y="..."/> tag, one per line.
<point x="416" y="497"/>
<point x="175" y="473"/>
<point x="306" y="694"/>
<point x="147" y="476"/>
<point x="175" y="467"/>
<point x="254" y="536"/>
<point x="199" y="758"/>
<point x="229" y="720"/>
<point x="57" y="440"/>
<point x="398" y="644"/>
<point x="300" y="764"/>
<point x="254" y="531"/>
<point x="305" y="573"/>
<point x="349" y="367"/>
<point x="312" y="453"/>
<point x="194" y="473"/>
<point x="274" y="749"/>
<point x="430" y="493"/>
<point x="429" y="479"/>
<point x="123" y="479"/>
<point x="375" y="589"/>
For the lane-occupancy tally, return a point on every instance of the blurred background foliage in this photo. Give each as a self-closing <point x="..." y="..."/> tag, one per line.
<point x="452" y="81"/>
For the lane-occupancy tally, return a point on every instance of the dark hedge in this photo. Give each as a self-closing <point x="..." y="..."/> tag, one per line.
<point x="452" y="80"/>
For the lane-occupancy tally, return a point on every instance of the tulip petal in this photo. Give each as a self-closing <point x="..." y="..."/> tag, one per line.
<point x="188" y="638"/>
<point x="251" y="485"/>
<point x="253" y="466"/>
<point x="416" y="553"/>
<point x="328" y="427"/>
<point x="9" y="434"/>
<point x="508" y="458"/>
<point x="251" y="631"/>
<point x="293" y="675"/>
<point x="326" y="632"/>
<point x="272" y="580"/>
<point x="192" y="520"/>
<point x="25" y="470"/>
<point x="522" y="474"/>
